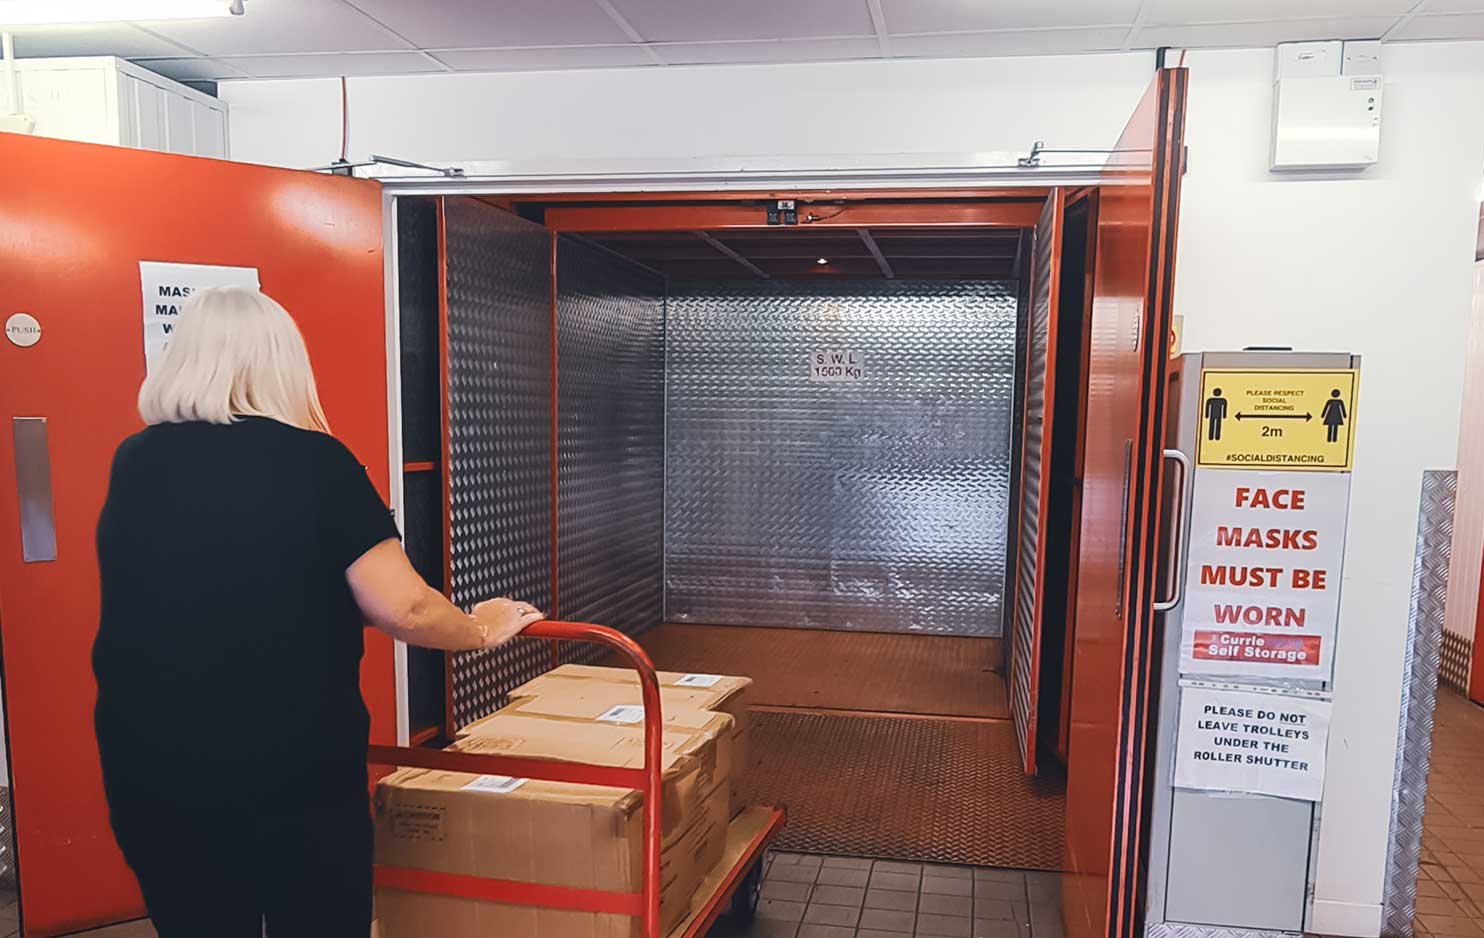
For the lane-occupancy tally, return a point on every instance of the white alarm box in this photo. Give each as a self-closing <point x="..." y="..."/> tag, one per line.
<point x="1327" y="106"/>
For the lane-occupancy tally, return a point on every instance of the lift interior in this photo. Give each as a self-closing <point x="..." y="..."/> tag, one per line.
<point x="843" y="535"/>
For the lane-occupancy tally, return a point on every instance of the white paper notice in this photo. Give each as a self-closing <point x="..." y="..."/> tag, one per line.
<point x="1267" y="744"/>
<point x="1262" y="589"/>
<point x="165" y="286"/>
<point x="623" y="713"/>
<point x="698" y="680"/>
<point x="495" y="784"/>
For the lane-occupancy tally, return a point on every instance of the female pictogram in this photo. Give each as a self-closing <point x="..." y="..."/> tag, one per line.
<point x="1333" y="416"/>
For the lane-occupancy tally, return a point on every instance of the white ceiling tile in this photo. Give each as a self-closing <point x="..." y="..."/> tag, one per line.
<point x="775" y="50"/>
<point x="718" y="20"/>
<point x="326" y="64"/>
<point x="1183" y="12"/>
<point x="191" y="69"/>
<point x="531" y="59"/>
<point x="938" y="16"/>
<point x="1259" y="34"/>
<point x="470" y="24"/>
<point x="1453" y="6"/>
<point x="109" y="39"/>
<point x="1009" y="42"/>
<point x="1457" y="26"/>
<point x="271" y="27"/>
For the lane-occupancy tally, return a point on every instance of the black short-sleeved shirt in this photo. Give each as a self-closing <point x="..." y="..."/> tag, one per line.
<point x="230" y="642"/>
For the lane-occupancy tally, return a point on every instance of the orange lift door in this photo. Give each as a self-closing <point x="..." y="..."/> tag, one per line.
<point x="1126" y="381"/>
<point x="75" y="221"/>
<point x="1040" y="386"/>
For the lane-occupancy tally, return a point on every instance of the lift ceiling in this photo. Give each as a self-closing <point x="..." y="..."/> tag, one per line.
<point x="968" y="253"/>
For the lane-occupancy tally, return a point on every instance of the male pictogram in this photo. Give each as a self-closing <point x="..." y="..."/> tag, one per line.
<point x="1215" y="413"/>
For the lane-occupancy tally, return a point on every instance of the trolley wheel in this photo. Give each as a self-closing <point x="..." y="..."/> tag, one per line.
<point x="744" y="900"/>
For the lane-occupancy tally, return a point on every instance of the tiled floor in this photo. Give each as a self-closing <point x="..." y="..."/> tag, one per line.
<point x="841" y="897"/>
<point x="1450" y="885"/>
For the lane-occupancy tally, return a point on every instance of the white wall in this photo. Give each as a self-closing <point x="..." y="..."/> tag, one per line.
<point x="1376" y="262"/>
<point x="1468" y="511"/>
<point x="626" y="119"/>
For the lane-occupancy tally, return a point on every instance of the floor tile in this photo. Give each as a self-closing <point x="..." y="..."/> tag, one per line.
<point x="1005" y="892"/>
<point x="838" y="895"/>
<point x="947" y="886"/>
<point x="877" y="933"/>
<point x="837" y="876"/>
<point x="997" y="928"/>
<point x="845" y="915"/>
<point x="793" y="873"/>
<point x="946" y="905"/>
<point x="782" y="889"/>
<point x="901" y="881"/>
<point x="944" y="926"/>
<point x="891" y="900"/>
<point x="825" y="931"/>
<point x="950" y="872"/>
<point x="892" y="866"/>
<point x="884" y="920"/>
<point x="780" y="909"/>
<point x="995" y="908"/>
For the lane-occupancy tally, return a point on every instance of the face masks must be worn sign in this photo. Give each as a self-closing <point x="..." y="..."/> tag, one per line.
<point x="1262" y="586"/>
<point x="1258" y="743"/>
<point x="165" y="287"/>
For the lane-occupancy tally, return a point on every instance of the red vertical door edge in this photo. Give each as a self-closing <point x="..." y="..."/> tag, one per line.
<point x="75" y="221"/>
<point x="1127" y="362"/>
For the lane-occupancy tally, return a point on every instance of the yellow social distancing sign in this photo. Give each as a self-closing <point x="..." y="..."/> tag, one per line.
<point x="1277" y="419"/>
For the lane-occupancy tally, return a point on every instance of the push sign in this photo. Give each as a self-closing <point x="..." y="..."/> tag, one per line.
<point x="836" y="365"/>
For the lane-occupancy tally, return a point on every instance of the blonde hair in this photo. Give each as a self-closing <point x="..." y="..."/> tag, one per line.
<point x="234" y="353"/>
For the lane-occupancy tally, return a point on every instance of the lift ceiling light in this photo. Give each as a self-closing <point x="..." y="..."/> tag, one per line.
<point x="822" y="261"/>
<point x="72" y="12"/>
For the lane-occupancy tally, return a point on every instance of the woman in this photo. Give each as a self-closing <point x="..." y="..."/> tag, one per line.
<point x="241" y="550"/>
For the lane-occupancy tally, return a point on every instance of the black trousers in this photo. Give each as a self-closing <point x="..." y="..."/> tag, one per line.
<point x="219" y="871"/>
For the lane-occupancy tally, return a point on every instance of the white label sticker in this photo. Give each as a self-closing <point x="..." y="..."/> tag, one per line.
<point x="1237" y="741"/>
<point x="495" y="784"/>
<point x="836" y="365"/>
<point x="165" y="286"/>
<point x="22" y="329"/>
<point x="698" y="680"/>
<point x="623" y="713"/>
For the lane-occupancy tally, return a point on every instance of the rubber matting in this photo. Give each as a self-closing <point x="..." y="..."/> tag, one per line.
<point x="947" y="791"/>
<point x="833" y="670"/>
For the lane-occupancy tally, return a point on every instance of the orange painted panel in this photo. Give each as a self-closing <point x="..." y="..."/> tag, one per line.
<point x="1126" y="379"/>
<point x="75" y="220"/>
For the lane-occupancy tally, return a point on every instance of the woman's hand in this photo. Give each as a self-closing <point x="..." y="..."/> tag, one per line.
<point x="504" y="619"/>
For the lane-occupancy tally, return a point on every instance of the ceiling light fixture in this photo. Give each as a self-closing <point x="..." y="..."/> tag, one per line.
<point x="73" y="12"/>
<point x="822" y="261"/>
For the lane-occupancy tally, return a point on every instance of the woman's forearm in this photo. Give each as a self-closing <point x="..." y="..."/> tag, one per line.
<point x="433" y="622"/>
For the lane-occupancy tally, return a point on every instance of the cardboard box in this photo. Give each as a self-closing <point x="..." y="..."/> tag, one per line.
<point x="532" y="831"/>
<point x="720" y="693"/>
<point x="692" y="764"/>
<point x="594" y="702"/>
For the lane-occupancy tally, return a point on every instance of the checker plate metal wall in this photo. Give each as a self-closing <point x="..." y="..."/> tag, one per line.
<point x="1419" y="694"/>
<point x="880" y="504"/>
<point x="1025" y="639"/>
<point x="611" y="433"/>
<point x="499" y="460"/>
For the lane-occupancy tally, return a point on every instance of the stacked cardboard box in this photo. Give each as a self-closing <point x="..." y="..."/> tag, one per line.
<point x="586" y="692"/>
<point x="558" y="834"/>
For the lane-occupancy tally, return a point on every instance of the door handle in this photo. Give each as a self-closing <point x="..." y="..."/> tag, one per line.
<point x="1182" y="543"/>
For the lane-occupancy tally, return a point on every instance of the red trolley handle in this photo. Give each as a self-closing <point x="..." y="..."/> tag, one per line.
<point x="649" y="779"/>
